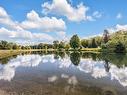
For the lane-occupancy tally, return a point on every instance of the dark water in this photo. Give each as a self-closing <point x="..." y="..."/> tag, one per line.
<point x="74" y="73"/>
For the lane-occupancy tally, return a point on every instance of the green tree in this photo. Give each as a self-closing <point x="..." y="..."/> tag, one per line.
<point x="40" y="46"/>
<point x="120" y="48"/>
<point x="84" y="43"/>
<point x="10" y="46"/>
<point x="67" y="46"/>
<point x="75" y="42"/>
<point x="75" y="58"/>
<point x="15" y="46"/>
<point x="56" y="44"/>
<point x="92" y="43"/>
<point x="61" y="45"/>
<point x="98" y="40"/>
<point x="3" y="45"/>
<point x="106" y="36"/>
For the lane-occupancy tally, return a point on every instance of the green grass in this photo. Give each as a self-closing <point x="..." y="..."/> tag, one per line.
<point x="91" y="49"/>
<point x="7" y="53"/>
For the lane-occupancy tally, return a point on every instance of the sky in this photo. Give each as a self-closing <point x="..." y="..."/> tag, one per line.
<point x="35" y="21"/>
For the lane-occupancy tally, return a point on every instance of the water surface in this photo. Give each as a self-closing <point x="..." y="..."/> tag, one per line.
<point x="71" y="73"/>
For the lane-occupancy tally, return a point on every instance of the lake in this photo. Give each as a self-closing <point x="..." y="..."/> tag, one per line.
<point x="60" y="73"/>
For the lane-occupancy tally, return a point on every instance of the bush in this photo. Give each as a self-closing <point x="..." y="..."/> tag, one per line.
<point x="120" y="48"/>
<point x="104" y="46"/>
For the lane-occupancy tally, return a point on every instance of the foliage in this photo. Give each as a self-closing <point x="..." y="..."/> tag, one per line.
<point x="75" y="57"/>
<point x="117" y="42"/>
<point x="4" y="45"/>
<point x="120" y="48"/>
<point x="92" y="44"/>
<point x="55" y="44"/>
<point x="75" y="42"/>
<point x="98" y="40"/>
<point x="106" y="36"/>
<point x="67" y="46"/>
<point x="84" y="43"/>
<point x="61" y="45"/>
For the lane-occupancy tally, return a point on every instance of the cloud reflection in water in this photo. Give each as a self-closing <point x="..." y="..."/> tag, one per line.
<point x="95" y="68"/>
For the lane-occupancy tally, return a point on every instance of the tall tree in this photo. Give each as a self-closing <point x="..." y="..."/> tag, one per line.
<point x="56" y="44"/>
<point x="92" y="43"/>
<point x="84" y="43"/>
<point x="98" y="40"/>
<point x="61" y="45"/>
<point x="120" y="48"/>
<point x="75" y="42"/>
<point x="106" y="36"/>
<point x="75" y="58"/>
<point x="67" y="46"/>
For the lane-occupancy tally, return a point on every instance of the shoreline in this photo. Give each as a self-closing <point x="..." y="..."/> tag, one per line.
<point x="7" y="53"/>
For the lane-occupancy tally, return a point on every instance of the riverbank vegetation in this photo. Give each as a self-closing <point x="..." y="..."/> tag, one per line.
<point x="108" y="42"/>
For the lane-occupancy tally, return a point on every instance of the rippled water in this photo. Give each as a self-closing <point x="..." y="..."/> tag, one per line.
<point x="64" y="74"/>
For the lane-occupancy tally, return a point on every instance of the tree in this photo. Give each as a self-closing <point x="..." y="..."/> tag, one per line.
<point x="41" y="46"/>
<point x="75" y="42"/>
<point x="75" y="58"/>
<point x="98" y="40"/>
<point x="67" y="46"/>
<point x="92" y="44"/>
<point x="84" y="43"/>
<point x="3" y="45"/>
<point x="120" y="48"/>
<point x="55" y="44"/>
<point x="15" y="46"/>
<point x="61" y="45"/>
<point x="106" y="36"/>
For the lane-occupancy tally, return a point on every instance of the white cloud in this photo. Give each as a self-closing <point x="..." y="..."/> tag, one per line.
<point x="121" y="27"/>
<point x="73" y="80"/>
<point x="33" y="22"/>
<point x="23" y="35"/>
<point x="7" y="21"/>
<point x="118" y="27"/>
<point x="20" y="32"/>
<point x="61" y="35"/>
<point x="43" y="36"/>
<point x="97" y="14"/>
<point x="3" y="13"/>
<point x="62" y="7"/>
<point x="52" y="79"/>
<point x="44" y="23"/>
<point x="7" y="72"/>
<point x="119" y="16"/>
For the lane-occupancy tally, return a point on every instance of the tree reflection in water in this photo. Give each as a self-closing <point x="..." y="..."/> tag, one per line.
<point x="106" y="65"/>
<point x="118" y="59"/>
<point x="75" y="58"/>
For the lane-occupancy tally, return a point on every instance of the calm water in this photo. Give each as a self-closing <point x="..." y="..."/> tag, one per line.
<point x="74" y="73"/>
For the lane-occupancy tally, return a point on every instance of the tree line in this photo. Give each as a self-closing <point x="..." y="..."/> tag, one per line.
<point x="116" y="42"/>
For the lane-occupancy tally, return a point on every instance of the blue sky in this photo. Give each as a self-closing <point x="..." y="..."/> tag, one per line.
<point x="26" y="21"/>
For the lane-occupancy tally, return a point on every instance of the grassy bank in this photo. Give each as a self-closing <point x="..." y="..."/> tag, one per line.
<point x="91" y="49"/>
<point x="87" y="49"/>
<point x="7" y="53"/>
